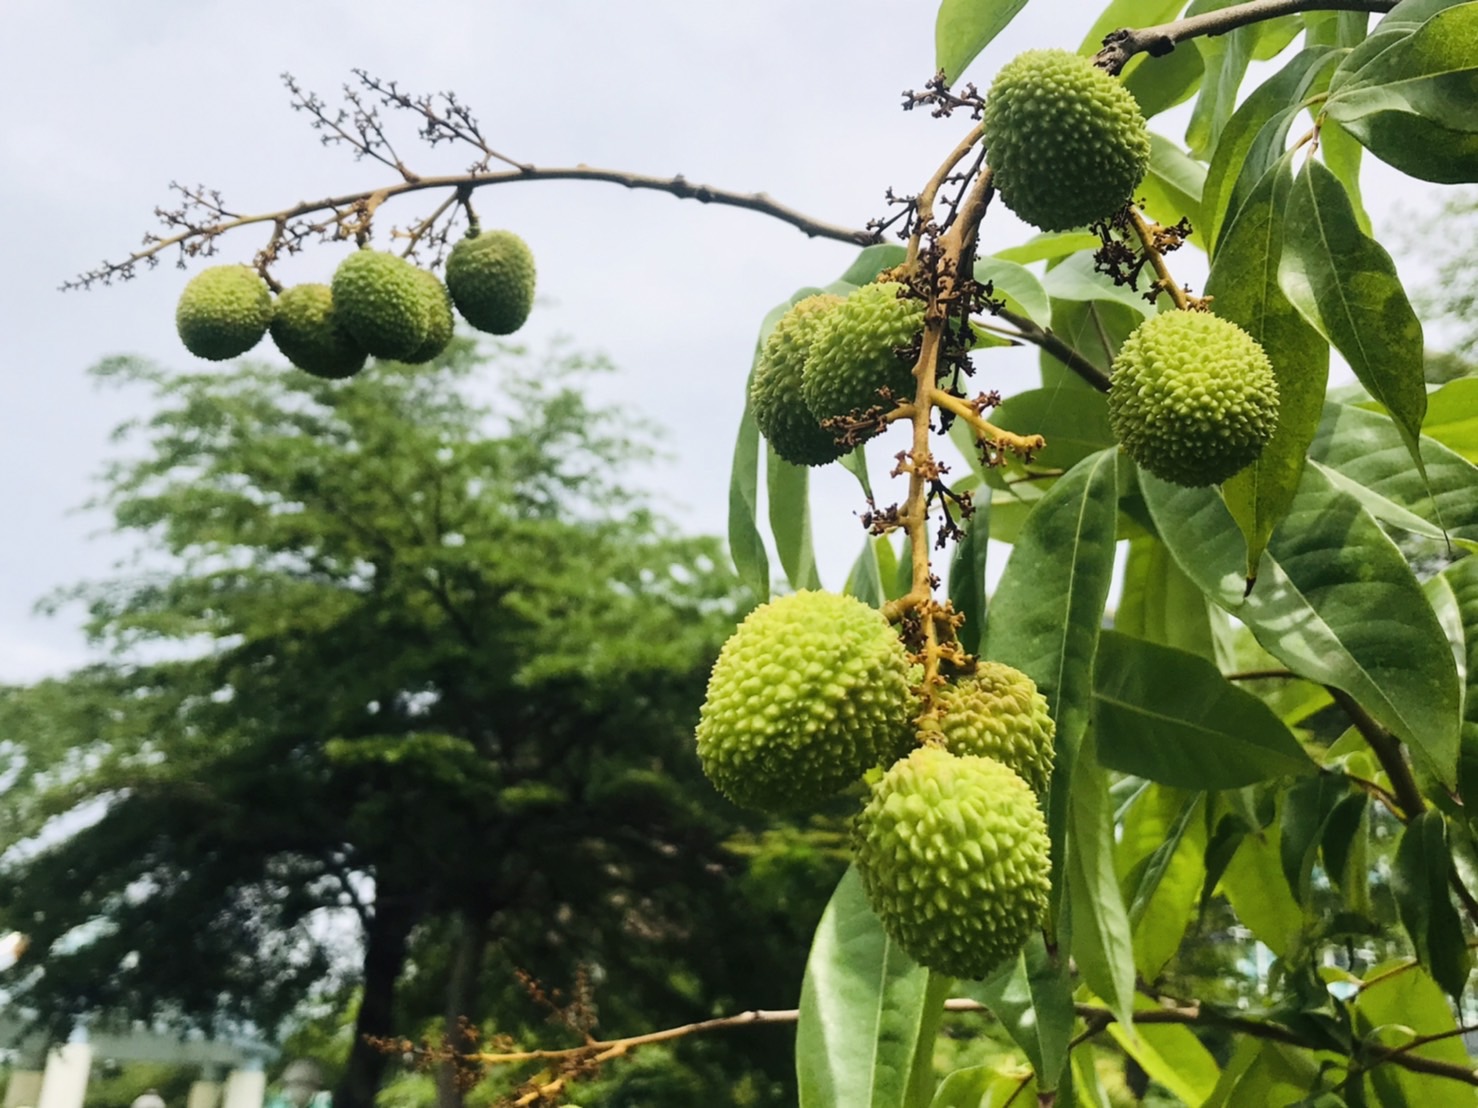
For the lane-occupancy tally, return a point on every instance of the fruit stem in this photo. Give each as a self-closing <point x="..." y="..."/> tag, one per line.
<point x="1149" y="239"/>
<point x="994" y="438"/>
<point x="924" y="205"/>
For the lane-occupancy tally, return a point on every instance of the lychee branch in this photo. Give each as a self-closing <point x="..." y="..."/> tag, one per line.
<point x="996" y="438"/>
<point x="1151" y="239"/>
<point x="924" y="205"/>
<point x="1121" y="45"/>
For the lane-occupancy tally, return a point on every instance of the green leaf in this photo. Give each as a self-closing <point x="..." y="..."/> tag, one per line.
<point x="1253" y="139"/>
<point x="1418" y="147"/>
<point x="1102" y="940"/>
<point x="1335" y="602"/>
<point x="1159" y="603"/>
<point x="964" y="28"/>
<point x="789" y="499"/>
<point x="1164" y="832"/>
<point x="1253" y="882"/>
<point x="1017" y="286"/>
<point x="1370" y="460"/>
<point x="985" y="1087"/>
<point x="1161" y="83"/>
<point x="1172" y="187"/>
<point x="967" y="572"/>
<point x="1050" y="245"/>
<point x="1396" y="1005"/>
<point x="1226" y="58"/>
<point x="746" y="546"/>
<point x="1264" y="1072"/>
<point x="1119" y="14"/>
<point x="1341" y="29"/>
<point x="1172" y="1056"/>
<point x="1457" y="602"/>
<point x="872" y="261"/>
<point x="1307" y="806"/>
<point x="1452" y="417"/>
<point x="865" y="581"/>
<point x="866" y="1012"/>
<point x="1244" y="283"/>
<point x="1419" y="882"/>
<point x="1343" y="155"/>
<point x="1033" y="1001"/>
<point x="1431" y="73"/>
<point x="1171" y="717"/>
<point x="1074" y="278"/>
<point x="1048" y="607"/>
<point x="1095" y="329"/>
<point x="1073" y="421"/>
<point x="1347" y="287"/>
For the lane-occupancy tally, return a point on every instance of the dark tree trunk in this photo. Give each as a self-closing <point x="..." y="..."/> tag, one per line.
<point x="461" y="989"/>
<point x="384" y="956"/>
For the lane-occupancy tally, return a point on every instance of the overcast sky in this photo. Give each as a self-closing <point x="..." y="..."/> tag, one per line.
<point x="107" y="103"/>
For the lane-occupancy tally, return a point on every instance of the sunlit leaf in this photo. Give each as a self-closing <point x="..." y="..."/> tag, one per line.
<point x="964" y="28"/>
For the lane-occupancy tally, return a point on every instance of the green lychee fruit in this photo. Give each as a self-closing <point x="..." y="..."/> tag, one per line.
<point x="491" y="279"/>
<point x="855" y="354"/>
<point x="381" y="302"/>
<point x="775" y="392"/>
<point x="439" y="321"/>
<point x="997" y="712"/>
<point x="954" y="857"/>
<point x="1067" y="143"/>
<point x="310" y="335"/>
<point x="1193" y="397"/>
<point x="224" y="311"/>
<point x="809" y="693"/>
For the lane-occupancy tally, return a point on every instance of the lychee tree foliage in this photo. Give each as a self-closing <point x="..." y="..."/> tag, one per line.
<point x="1058" y="804"/>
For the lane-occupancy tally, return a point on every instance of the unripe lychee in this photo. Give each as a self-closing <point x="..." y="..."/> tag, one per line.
<point x="1193" y="397"/>
<point x="491" y="279"/>
<point x="381" y="301"/>
<point x="439" y="321"/>
<point x="860" y="352"/>
<point x="809" y="693"/>
<point x="223" y="311"/>
<point x="954" y="857"/>
<point x="1066" y="142"/>
<point x="997" y="712"/>
<point x="775" y="392"/>
<point x="309" y="334"/>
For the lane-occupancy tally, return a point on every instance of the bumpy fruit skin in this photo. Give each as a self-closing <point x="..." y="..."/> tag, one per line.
<point x="997" y="712"/>
<point x="223" y="312"/>
<point x="309" y="334"/>
<point x="1067" y="142"/>
<point x="954" y="858"/>
<point x="439" y="322"/>
<point x="491" y="279"/>
<point x="1193" y="398"/>
<point x="855" y="352"/>
<point x="775" y="393"/>
<point x="809" y="693"/>
<point x="381" y="302"/>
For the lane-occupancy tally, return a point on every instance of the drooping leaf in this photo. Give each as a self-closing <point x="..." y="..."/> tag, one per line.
<point x="964" y="28"/>
<point x="1307" y="807"/>
<point x="1033" y="1000"/>
<point x="1226" y="58"/>
<point x="1347" y="287"/>
<point x="1158" y="84"/>
<point x="1343" y="155"/>
<point x="1253" y="882"/>
<point x="967" y="572"/>
<point x="1048" y="607"/>
<point x="789" y="501"/>
<point x="1335" y="602"/>
<point x="1419" y="878"/>
<point x="1265" y="1072"/>
<point x="1455" y="598"/>
<point x="1336" y="28"/>
<point x="746" y="546"/>
<point x="985" y="1087"/>
<point x="1170" y="716"/>
<point x="1161" y="858"/>
<point x="865" y="581"/>
<point x="1419" y="147"/>
<point x="865" y="1010"/>
<point x="1243" y="281"/>
<point x="1102" y="940"/>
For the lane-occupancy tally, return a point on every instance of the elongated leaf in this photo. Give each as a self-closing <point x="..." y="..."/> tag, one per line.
<point x="1017" y="286"/>
<point x="1166" y="829"/>
<point x="967" y="572"/>
<point x="865" y="1009"/>
<point x="1033" y="1000"/>
<point x="1346" y="286"/>
<point x="865" y="581"/>
<point x="1452" y="417"/>
<point x="1343" y="155"/>
<point x="1243" y="282"/>
<point x="1161" y="83"/>
<point x="1306" y="810"/>
<point x="1335" y="602"/>
<point x="1396" y="1006"/>
<point x="1046" y="612"/>
<point x="1253" y="882"/>
<point x="1419" y="882"/>
<point x="1431" y="73"/>
<point x="1419" y="147"/>
<point x="1173" y="1056"/>
<point x="1095" y="329"/>
<point x="1457" y="586"/>
<point x="746" y="546"/>
<point x="1102" y="940"/>
<point x="854" y="462"/>
<point x="1159" y="603"/>
<point x="985" y="1087"/>
<point x="1057" y="244"/>
<point x="1226" y="58"/>
<point x="1368" y="453"/>
<point x="1118" y="14"/>
<point x="964" y="28"/>
<point x="1171" y="717"/>
<point x="1336" y="28"/>
<point x="1074" y="278"/>
<point x="872" y="261"/>
<point x="788" y="488"/>
<point x="1171" y="190"/>
<point x="1073" y="421"/>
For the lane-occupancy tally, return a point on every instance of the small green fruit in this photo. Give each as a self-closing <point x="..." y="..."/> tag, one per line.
<point x="309" y="334"/>
<point x="997" y="712"/>
<point x="381" y="302"/>
<point x="1066" y="142"/>
<point x="224" y="311"/>
<point x="810" y="692"/>
<point x="1193" y="398"/>
<point x="491" y="279"/>
<point x="860" y="352"/>
<point x="439" y="321"/>
<point x="954" y="858"/>
<point x="775" y="392"/>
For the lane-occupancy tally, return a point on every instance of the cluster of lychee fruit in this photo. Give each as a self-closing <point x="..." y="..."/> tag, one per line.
<point x="815" y="693"/>
<point x="378" y="305"/>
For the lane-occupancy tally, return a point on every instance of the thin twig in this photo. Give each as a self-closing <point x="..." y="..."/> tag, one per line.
<point x="1030" y="331"/>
